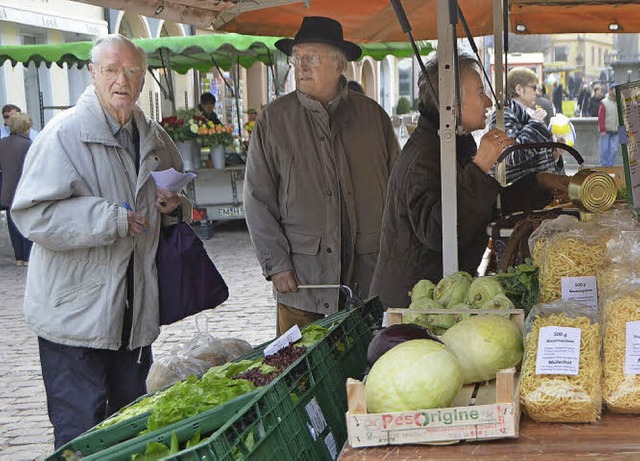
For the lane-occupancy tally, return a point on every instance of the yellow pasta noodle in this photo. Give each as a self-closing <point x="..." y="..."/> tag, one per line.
<point x="621" y="391"/>
<point x="563" y="398"/>
<point x="565" y="255"/>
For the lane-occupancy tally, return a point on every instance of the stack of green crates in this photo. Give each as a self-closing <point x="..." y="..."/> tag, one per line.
<point x="299" y="416"/>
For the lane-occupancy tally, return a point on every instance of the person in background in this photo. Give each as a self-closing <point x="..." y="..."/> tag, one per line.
<point x="316" y="178"/>
<point x="411" y="242"/>
<point x="13" y="150"/>
<point x="543" y="103"/>
<point x="252" y="115"/>
<point x="594" y="101"/>
<point x="355" y="86"/>
<point x="7" y="111"/>
<point x="91" y="294"/>
<point x="208" y="106"/>
<point x="608" y="126"/>
<point x="557" y="96"/>
<point x="583" y="100"/>
<point x="524" y="122"/>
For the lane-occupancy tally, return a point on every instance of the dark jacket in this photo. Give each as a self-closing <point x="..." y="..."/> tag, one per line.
<point x="411" y="241"/>
<point x="13" y="150"/>
<point x="594" y="105"/>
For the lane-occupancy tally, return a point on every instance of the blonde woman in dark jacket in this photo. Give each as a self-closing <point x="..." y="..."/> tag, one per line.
<point x="13" y="150"/>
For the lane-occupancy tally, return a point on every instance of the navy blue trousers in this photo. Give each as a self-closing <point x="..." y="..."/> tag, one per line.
<point x="21" y="245"/>
<point x="84" y="386"/>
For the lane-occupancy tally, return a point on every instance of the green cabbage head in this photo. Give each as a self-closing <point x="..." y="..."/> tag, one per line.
<point x="484" y="345"/>
<point x="415" y="375"/>
<point x="482" y="290"/>
<point x="452" y="289"/>
<point x="422" y="290"/>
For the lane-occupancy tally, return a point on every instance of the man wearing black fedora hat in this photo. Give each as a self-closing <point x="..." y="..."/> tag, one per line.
<point x="316" y="178"/>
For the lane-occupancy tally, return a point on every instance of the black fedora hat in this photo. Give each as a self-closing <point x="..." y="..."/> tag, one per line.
<point x="318" y="29"/>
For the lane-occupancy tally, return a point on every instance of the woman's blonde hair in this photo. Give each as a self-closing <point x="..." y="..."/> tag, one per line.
<point x="19" y="123"/>
<point x="519" y="76"/>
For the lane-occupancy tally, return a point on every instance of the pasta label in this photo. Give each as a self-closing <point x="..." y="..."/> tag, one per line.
<point x="632" y="356"/>
<point x="558" y="351"/>
<point x="582" y="290"/>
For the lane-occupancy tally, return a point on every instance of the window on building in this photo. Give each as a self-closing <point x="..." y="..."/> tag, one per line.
<point x="593" y="56"/>
<point x="599" y="56"/>
<point x="404" y="78"/>
<point x="560" y="53"/>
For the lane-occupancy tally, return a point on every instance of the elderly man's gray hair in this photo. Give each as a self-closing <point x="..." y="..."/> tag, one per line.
<point x="116" y="39"/>
<point x="428" y="98"/>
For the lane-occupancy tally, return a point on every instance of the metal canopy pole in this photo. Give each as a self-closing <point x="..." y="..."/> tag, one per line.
<point x="501" y="171"/>
<point x="447" y="62"/>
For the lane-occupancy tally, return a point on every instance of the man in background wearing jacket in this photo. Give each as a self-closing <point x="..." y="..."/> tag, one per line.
<point x="92" y="289"/>
<point x="316" y="178"/>
<point x="608" y="126"/>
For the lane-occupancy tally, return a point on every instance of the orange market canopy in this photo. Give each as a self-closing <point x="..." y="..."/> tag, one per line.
<point x="374" y="20"/>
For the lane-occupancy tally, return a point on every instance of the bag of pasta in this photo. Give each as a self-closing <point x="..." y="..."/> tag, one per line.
<point x="548" y="228"/>
<point x="561" y="370"/>
<point x="621" y="385"/>
<point x="574" y="253"/>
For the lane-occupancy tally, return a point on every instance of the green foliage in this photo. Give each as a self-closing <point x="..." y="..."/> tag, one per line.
<point x="521" y="285"/>
<point x="404" y="106"/>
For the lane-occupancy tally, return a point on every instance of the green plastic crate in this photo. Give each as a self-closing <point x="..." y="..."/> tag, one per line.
<point x="301" y="417"/>
<point x="268" y="429"/>
<point x="207" y="422"/>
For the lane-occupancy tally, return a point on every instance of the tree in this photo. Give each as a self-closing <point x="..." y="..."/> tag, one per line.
<point x="404" y="106"/>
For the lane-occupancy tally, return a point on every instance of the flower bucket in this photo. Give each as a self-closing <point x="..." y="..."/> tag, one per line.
<point x="218" y="157"/>
<point x="190" y="152"/>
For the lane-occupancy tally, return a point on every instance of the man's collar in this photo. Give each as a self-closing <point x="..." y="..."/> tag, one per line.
<point x="115" y="126"/>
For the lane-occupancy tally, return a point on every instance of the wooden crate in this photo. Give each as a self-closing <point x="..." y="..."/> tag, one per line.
<point x="480" y="411"/>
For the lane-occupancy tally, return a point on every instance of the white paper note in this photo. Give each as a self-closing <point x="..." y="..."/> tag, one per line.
<point x="632" y="355"/>
<point x="289" y="337"/>
<point x="558" y="351"/>
<point x="171" y="179"/>
<point x="582" y="290"/>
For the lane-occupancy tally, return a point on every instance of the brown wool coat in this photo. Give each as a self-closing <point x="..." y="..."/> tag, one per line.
<point x="301" y="159"/>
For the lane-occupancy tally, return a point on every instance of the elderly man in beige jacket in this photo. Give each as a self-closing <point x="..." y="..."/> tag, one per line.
<point x="316" y="178"/>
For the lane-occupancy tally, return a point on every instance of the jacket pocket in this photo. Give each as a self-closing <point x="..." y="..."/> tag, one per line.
<point x="367" y="243"/>
<point x="82" y="292"/>
<point x="304" y="244"/>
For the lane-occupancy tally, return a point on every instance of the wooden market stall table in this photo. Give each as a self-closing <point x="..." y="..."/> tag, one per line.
<point x="614" y="437"/>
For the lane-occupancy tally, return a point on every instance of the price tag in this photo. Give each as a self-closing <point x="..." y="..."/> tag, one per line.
<point x="632" y="354"/>
<point x="330" y="442"/>
<point x="289" y="337"/>
<point x="316" y="416"/>
<point x="558" y="351"/>
<point x="581" y="289"/>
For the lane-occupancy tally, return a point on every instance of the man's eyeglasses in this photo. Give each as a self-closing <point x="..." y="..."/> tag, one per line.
<point x="6" y="116"/>
<point x="307" y="59"/>
<point x="112" y="72"/>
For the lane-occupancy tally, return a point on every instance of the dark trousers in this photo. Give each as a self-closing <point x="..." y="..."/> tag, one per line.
<point x="84" y="386"/>
<point x="21" y="245"/>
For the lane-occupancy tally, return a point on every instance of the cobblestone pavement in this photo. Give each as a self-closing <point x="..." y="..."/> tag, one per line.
<point x="25" y="431"/>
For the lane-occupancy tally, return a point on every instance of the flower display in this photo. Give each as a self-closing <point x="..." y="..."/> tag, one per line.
<point x="215" y="135"/>
<point x="188" y="125"/>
